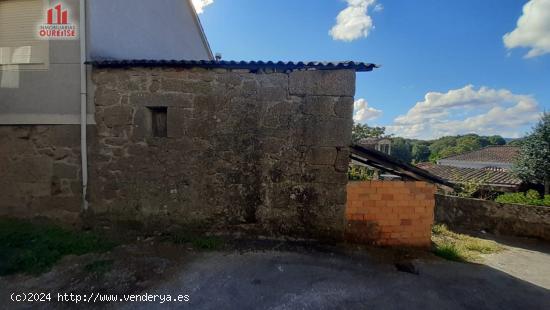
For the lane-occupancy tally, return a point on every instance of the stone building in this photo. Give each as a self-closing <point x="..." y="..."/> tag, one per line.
<point x="46" y="95"/>
<point x="216" y="143"/>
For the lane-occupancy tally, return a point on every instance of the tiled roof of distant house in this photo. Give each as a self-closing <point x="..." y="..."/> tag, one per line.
<point x="488" y="176"/>
<point x="501" y="154"/>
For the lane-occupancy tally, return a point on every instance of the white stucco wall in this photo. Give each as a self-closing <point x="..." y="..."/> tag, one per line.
<point x="117" y="29"/>
<point x="144" y="29"/>
<point x="51" y="93"/>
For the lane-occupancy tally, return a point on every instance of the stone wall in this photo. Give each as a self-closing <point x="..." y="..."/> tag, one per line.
<point x="40" y="171"/>
<point x="264" y="148"/>
<point x="390" y="212"/>
<point x="494" y="217"/>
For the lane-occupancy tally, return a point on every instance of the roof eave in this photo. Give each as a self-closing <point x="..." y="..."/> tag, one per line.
<point x="251" y="65"/>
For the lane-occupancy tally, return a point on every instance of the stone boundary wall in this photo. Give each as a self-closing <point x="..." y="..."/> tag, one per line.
<point x="40" y="172"/>
<point x="390" y="212"/>
<point x="494" y="217"/>
<point x="262" y="148"/>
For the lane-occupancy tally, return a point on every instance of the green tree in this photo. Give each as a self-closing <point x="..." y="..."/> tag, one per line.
<point x="360" y="131"/>
<point x="453" y="145"/>
<point x="533" y="163"/>
<point x="450" y="151"/>
<point x="440" y="144"/>
<point x="496" y="140"/>
<point x="469" y="143"/>
<point x="420" y="152"/>
<point x="400" y="148"/>
<point x="516" y="142"/>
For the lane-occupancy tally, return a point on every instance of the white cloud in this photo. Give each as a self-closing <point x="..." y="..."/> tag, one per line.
<point x="201" y="4"/>
<point x="532" y="30"/>
<point x="362" y="112"/>
<point x="483" y="111"/>
<point x="354" y="22"/>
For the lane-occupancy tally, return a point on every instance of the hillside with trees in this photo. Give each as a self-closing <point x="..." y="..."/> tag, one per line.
<point x="415" y="151"/>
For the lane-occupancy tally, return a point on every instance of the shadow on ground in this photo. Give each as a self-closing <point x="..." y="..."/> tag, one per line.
<point x="279" y="275"/>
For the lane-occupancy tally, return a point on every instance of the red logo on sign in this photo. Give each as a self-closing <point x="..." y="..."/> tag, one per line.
<point x="58" y="26"/>
<point x="62" y="16"/>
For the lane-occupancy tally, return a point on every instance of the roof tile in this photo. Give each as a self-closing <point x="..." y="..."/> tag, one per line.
<point x="502" y="154"/>
<point x="231" y="64"/>
<point x="459" y="175"/>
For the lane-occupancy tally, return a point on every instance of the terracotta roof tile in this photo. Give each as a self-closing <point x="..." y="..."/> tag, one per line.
<point x="460" y="175"/>
<point x="501" y="154"/>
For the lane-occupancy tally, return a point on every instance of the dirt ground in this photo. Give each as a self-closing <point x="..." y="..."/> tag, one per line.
<point x="281" y="275"/>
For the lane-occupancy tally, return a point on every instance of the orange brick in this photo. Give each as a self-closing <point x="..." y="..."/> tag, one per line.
<point x="393" y="222"/>
<point x="353" y="184"/>
<point x="406" y="222"/>
<point x="357" y="217"/>
<point x="395" y="235"/>
<point x="411" y="184"/>
<point x="392" y="203"/>
<point x="421" y="184"/>
<point x="420" y="197"/>
<point x="397" y="184"/>
<point x="371" y="216"/>
<point x="353" y="195"/>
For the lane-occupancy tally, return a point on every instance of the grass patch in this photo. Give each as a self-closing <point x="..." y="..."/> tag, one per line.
<point x="459" y="247"/>
<point x="34" y="248"/>
<point x="198" y="241"/>
<point x="99" y="267"/>
<point x="448" y="251"/>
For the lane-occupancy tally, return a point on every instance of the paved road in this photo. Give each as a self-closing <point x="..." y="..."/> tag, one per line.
<point x="523" y="258"/>
<point x="289" y="280"/>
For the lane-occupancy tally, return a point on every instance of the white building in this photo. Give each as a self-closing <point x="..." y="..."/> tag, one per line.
<point x="43" y="80"/>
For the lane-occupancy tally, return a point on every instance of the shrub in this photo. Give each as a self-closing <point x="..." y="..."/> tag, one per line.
<point x="531" y="197"/>
<point x="448" y="251"/>
<point x="360" y="173"/>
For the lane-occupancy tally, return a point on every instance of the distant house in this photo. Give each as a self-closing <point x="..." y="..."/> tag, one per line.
<point x="379" y="144"/>
<point x="491" y="178"/>
<point x="489" y="166"/>
<point x="501" y="157"/>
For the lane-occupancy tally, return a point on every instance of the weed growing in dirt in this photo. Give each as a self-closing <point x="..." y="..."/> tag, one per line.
<point x="34" y="248"/>
<point x="459" y="247"/>
<point x="448" y="251"/>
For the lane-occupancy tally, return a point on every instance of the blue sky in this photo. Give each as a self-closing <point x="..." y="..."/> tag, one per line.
<point x="446" y="68"/>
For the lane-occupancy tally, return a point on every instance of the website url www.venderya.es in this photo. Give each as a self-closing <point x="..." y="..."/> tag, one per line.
<point x="97" y="298"/>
